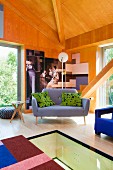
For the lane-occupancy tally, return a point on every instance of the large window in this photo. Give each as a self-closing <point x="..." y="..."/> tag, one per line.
<point x="8" y="75"/>
<point x="106" y="90"/>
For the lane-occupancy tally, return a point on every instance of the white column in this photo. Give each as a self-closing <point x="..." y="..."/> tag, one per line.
<point x="62" y="74"/>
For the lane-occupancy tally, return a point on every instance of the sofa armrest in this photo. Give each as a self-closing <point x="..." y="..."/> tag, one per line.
<point x="34" y="106"/>
<point x="85" y="105"/>
<point x="102" y="111"/>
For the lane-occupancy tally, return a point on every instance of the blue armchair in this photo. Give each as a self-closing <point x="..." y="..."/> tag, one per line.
<point x="104" y="125"/>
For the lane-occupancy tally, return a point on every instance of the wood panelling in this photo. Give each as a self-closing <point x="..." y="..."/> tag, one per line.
<point x="77" y="18"/>
<point x="50" y="20"/>
<point x="67" y="27"/>
<point x="88" y="14"/>
<point x="33" y="20"/>
<point x="69" y="55"/>
<point x="39" y="8"/>
<point x="71" y="26"/>
<point x="92" y="37"/>
<point x="18" y="31"/>
<point x="82" y="87"/>
<point x="88" y="55"/>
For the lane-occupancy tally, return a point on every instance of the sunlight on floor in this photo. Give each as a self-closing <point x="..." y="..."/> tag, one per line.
<point x="80" y="120"/>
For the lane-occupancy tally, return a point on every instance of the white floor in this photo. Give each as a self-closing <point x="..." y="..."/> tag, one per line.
<point x="74" y="127"/>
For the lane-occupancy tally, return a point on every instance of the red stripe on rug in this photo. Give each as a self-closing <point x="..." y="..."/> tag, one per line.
<point x="29" y="163"/>
<point x="21" y="148"/>
<point x="51" y="165"/>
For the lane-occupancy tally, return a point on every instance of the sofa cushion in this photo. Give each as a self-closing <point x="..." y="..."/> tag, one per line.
<point x="43" y="99"/>
<point x="56" y="94"/>
<point x="71" y="99"/>
<point x="61" y="111"/>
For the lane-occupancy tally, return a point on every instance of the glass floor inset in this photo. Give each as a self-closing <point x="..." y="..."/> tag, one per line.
<point x="62" y="164"/>
<point x="70" y="153"/>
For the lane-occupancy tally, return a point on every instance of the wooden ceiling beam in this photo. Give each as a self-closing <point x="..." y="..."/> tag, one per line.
<point x="59" y="20"/>
<point x="35" y="22"/>
<point x="106" y="72"/>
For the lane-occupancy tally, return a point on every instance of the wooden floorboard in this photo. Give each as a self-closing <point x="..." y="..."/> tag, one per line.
<point x="74" y="127"/>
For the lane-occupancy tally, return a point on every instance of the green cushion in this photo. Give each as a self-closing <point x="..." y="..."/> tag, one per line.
<point x="71" y="99"/>
<point x="43" y="99"/>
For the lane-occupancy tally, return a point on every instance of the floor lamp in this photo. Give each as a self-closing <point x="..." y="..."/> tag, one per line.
<point x="63" y="57"/>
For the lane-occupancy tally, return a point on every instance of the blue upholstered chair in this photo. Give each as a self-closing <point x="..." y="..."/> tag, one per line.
<point x="104" y="125"/>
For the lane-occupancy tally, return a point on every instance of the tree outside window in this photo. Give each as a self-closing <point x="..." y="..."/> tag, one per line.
<point x="8" y="79"/>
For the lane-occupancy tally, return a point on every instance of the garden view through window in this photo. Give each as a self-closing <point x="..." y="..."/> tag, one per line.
<point x="8" y="75"/>
<point x="107" y="87"/>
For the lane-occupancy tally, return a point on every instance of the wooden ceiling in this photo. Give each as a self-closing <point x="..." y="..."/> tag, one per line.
<point x="62" y="19"/>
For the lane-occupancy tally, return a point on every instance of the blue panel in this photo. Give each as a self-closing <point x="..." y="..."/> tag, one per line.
<point x="6" y="158"/>
<point x="1" y="21"/>
<point x="81" y="80"/>
<point x="1" y="7"/>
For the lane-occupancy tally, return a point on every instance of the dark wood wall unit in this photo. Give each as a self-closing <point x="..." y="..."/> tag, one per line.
<point x="35" y="65"/>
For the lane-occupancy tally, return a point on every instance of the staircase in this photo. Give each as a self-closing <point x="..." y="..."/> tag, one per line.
<point x="106" y="72"/>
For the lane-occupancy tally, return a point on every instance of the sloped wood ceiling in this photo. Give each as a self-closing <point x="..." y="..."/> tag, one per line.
<point x="78" y="16"/>
<point x="82" y="16"/>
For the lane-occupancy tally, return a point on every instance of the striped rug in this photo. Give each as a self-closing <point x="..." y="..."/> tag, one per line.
<point x="18" y="153"/>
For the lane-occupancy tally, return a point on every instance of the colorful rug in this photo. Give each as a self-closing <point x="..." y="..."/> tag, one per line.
<point x="18" y="153"/>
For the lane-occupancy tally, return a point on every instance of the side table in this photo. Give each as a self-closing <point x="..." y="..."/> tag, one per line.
<point x="18" y="106"/>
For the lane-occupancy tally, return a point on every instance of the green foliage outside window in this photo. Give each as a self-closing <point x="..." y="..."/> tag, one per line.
<point x="8" y="80"/>
<point x="109" y="87"/>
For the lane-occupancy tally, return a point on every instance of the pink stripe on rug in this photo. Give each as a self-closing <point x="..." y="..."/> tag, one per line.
<point x="1" y="143"/>
<point x="29" y="163"/>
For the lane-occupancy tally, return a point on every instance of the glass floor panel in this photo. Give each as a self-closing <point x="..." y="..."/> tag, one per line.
<point x="71" y="153"/>
<point x="62" y="164"/>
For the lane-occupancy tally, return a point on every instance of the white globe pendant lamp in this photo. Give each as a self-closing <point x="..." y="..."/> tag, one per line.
<point x="63" y="57"/>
